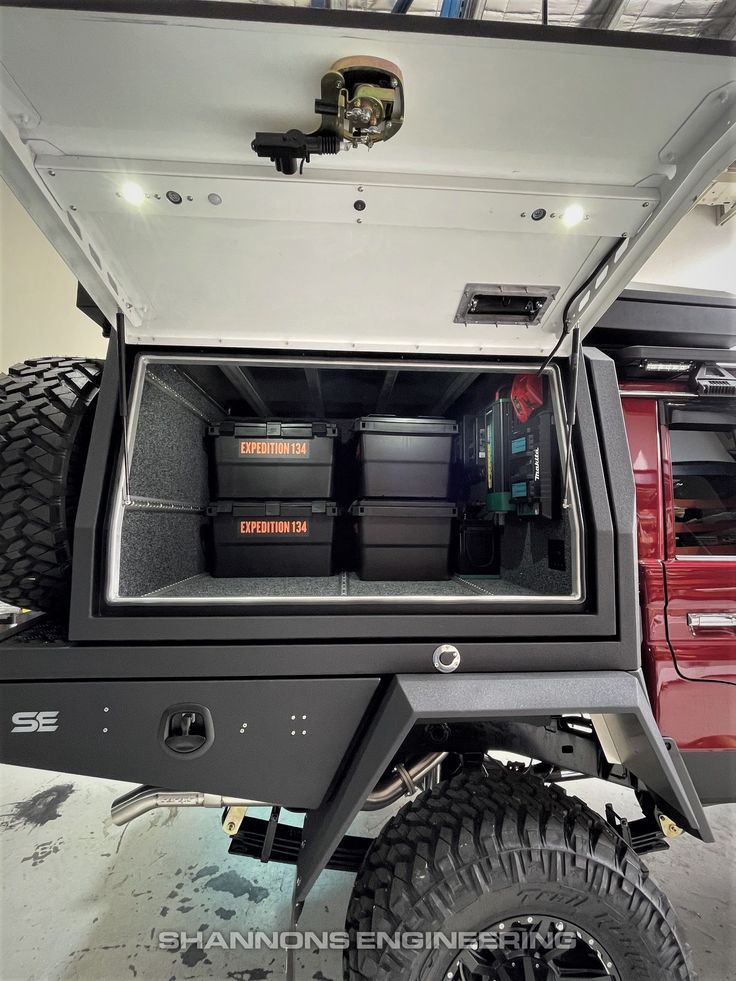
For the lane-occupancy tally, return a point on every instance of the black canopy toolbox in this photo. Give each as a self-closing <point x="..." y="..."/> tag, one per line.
<point x="271" y="459"/>
<point x="405" y="457"/>
<point x="272" y="538"/>
<point x="403" y="540"/>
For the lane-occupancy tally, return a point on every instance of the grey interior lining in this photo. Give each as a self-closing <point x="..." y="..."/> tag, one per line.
<point x="178" y="381"/>
<point x="206" y="586"/>
<point x="158" y="548"/>
<point x="525" y="555"/>
<point x="170" y="458"/>
<point x="169" y="464"/>
<point x="308" y="586"/>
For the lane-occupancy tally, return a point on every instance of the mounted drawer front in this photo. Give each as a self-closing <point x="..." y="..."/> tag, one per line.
<point x="262" y="746"/>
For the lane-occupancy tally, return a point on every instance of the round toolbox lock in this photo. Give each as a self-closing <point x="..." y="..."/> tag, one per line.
<point x="446" y="658"/>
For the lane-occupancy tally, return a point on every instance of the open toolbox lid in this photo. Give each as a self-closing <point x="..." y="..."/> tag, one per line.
<point x="412" y="246"/>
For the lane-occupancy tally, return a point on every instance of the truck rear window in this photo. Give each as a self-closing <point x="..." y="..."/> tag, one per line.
<point x="704" y="485"/>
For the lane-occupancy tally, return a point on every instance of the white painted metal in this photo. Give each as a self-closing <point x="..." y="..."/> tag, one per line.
<point x="494" y="129"/>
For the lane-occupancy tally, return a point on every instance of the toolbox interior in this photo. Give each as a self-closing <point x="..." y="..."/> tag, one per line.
<point x="159" y="540"/>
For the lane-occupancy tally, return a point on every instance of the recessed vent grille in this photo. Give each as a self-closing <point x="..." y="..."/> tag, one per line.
<point x="489" y="304"/>
<point x="715" y="379"/>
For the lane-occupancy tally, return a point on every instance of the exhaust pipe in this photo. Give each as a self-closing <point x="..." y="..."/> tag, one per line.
<point x="404" y="784"/>
<point x="141" y="800"/>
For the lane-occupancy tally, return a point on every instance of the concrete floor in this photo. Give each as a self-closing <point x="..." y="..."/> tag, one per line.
<point x="84" y="901"/>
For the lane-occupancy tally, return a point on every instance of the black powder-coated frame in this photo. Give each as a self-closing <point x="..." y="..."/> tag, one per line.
<point x="277" y="741"/>
<point x="618" y="697"/>
<point x="600" y="633"/>
<point x="669" y="319"/>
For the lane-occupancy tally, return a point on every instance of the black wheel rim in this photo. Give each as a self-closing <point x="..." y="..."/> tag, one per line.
<point x="534" y="948"/>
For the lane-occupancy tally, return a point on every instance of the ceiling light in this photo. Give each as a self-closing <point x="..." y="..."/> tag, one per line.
<point x="572" y="215"/>
<point x="133" y="193"/>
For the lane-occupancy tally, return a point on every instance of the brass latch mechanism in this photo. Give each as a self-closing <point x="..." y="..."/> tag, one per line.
<point x="362" y="103"/>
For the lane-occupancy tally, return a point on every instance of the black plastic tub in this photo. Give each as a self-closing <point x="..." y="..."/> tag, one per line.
<point x="272" y="459"/>
<point x="402" y="541"/>
<point x="405" y="457"/>
<point x="272" y="538"/>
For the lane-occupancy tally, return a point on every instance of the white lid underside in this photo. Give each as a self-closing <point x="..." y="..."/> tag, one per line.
<point x="494" y="129"/>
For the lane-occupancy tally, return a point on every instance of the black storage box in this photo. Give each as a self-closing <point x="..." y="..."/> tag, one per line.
<point x="272" y="538"/>
<point x="405" y="457"/>
<point x="404" y="540"/>
<point x="272" y="460"/>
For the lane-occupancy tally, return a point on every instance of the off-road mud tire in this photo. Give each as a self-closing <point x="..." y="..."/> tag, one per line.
<point x="482" y="846"/>
<point x="46" y="411"/>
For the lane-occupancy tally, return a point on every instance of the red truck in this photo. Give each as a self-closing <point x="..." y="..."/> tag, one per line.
<point x="681" y="440"/>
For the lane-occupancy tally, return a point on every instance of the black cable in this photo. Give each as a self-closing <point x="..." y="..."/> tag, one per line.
<point x="467" y="550"/>
<point x="566" y="324"/>
<point x="555" y="349"/>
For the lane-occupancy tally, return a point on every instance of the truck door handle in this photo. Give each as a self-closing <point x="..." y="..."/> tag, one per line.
<point x="709" y="621"/>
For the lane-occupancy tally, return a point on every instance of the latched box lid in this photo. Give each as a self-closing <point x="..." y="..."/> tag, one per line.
<point x="277" y="509"/>
<point x="421" y="426"/>
<point x="452" y="237"/>
<point x="273" y="429"/>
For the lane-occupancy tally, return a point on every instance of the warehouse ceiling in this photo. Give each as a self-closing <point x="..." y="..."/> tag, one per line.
<point x="694" y="18"/>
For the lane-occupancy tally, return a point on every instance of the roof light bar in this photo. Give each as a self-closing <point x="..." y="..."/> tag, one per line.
<point x="671" y="367"/>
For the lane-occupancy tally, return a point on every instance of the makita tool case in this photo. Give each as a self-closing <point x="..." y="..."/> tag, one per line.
<point x="272" y="538"/>
<point x="271" y="459"/>
<point x="405" y="457"/>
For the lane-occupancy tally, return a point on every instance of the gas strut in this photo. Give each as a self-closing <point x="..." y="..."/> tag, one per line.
<point x="571" y="410"/>
<point x="123" y="399"/>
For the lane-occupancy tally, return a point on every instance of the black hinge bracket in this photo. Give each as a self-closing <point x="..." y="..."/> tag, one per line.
<point x="87" y="306"/>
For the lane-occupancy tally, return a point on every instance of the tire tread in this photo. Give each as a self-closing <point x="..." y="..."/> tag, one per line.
<point x="454" y="838"/>
<point x="46" y="408"/>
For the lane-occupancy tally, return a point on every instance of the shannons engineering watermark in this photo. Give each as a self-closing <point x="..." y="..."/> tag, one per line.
<point x="508" y="940"/>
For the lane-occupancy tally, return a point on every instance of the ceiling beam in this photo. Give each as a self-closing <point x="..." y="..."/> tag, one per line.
<point x="605" y="15"/>
<point x="314" y="382"/>
<point x="242" y="381"/>
<point x="459" y="384"/>
<point x="473" y="9"/>
<point x="384" y="396"/>
<point x="728" y="31"/>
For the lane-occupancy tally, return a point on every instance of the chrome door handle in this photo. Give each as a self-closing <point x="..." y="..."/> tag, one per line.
<point x="708" y="621"/>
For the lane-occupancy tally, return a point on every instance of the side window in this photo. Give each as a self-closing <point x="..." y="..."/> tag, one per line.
<point x="703" y="454"/>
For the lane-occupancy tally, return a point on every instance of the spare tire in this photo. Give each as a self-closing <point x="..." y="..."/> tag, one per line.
<point x="46" y="412"/>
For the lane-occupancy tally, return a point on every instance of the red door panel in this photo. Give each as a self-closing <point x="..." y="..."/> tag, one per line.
<point x="699" y="492"/>
<point x="705" y="592"/>
<point x="690" y="700"/>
